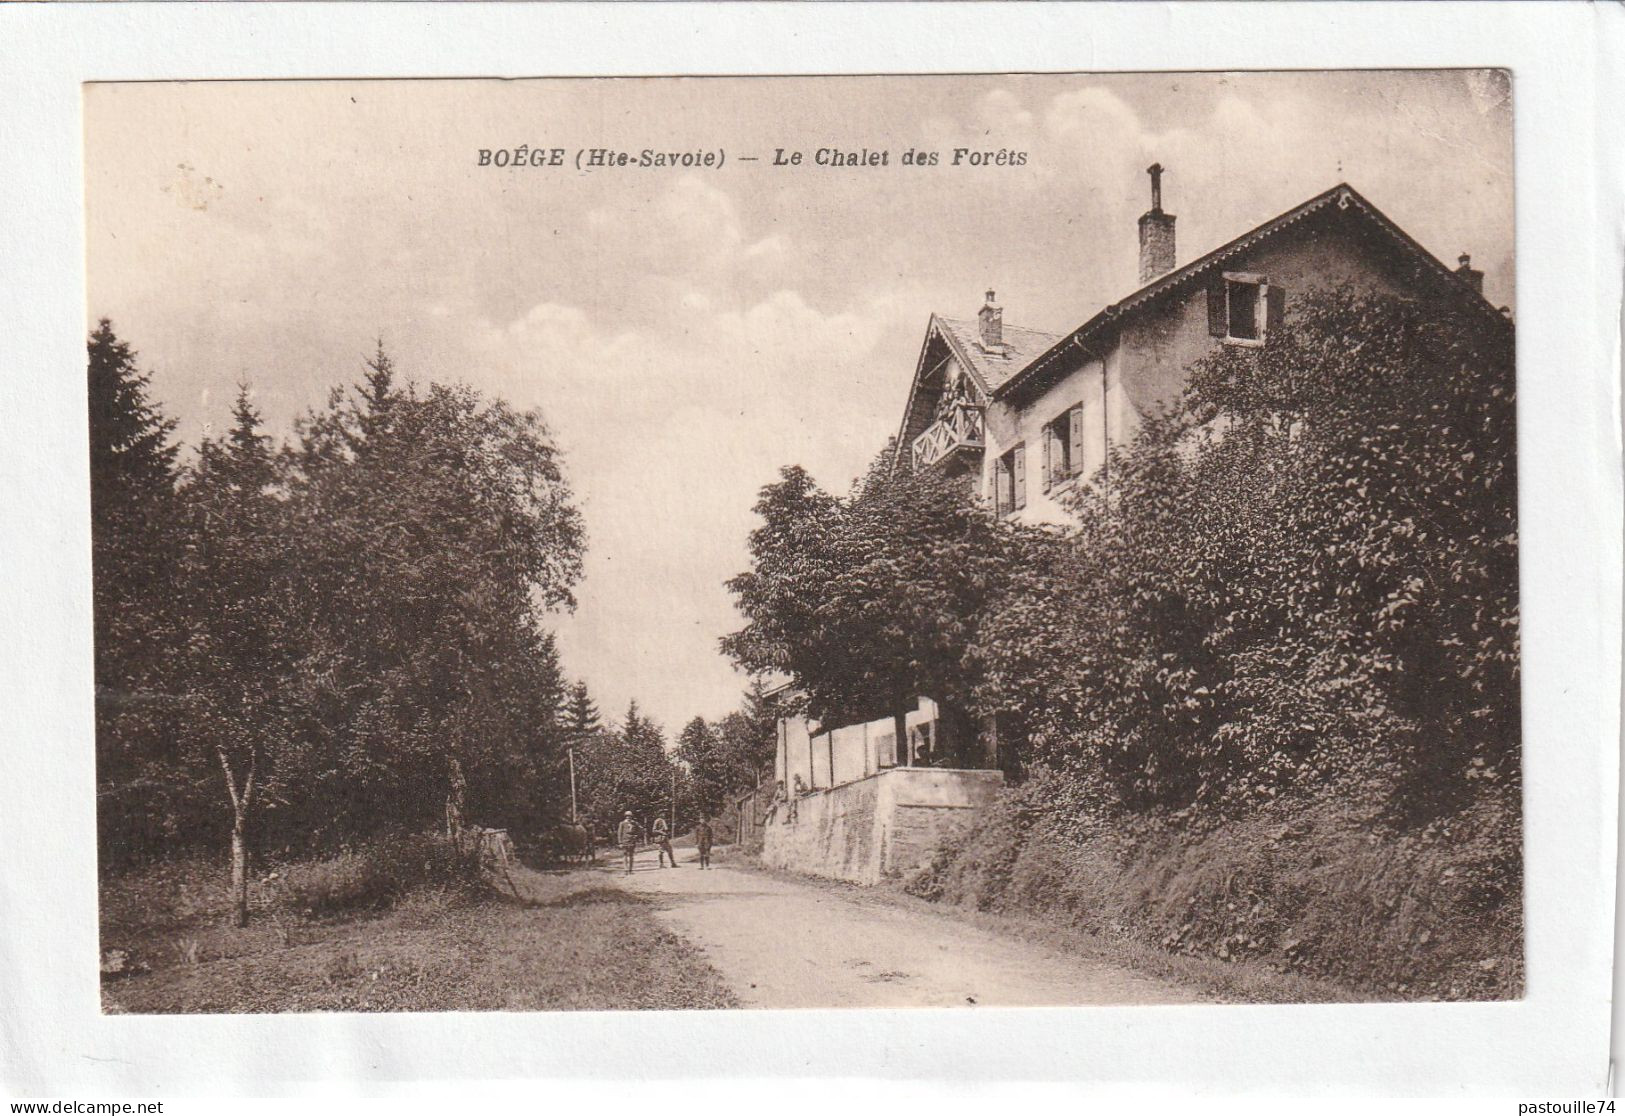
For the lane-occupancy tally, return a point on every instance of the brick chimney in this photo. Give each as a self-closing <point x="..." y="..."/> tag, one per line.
<point x="1471" y="274"/>
<point x="1156" y="232"/>
<point x="990" y="324"/>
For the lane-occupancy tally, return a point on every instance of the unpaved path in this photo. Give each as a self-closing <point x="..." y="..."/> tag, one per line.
<point x="785" y="944"/>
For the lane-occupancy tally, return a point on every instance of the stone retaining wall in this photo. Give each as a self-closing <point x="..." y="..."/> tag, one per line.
<point x="884" y="825"/>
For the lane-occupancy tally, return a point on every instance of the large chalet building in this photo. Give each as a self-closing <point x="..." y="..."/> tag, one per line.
<point x="1024" y="415"/>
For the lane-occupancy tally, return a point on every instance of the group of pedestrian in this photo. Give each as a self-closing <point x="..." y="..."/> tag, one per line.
<point x="626" y="835"/>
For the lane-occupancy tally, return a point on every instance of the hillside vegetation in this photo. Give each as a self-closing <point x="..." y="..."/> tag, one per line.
<point x="1261" y="696"/>
<point x="1311" y="887"/>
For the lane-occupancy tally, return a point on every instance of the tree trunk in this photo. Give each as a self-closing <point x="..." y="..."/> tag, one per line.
<point x="957" y="737"/>
<point x="241" y="802"/>
<point x="905" y="754"/>
<point x="454" y="802"/>
<point x="239" y="874"/>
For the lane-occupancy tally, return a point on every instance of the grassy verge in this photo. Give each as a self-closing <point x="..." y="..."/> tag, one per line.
<point x="566" y="941"/>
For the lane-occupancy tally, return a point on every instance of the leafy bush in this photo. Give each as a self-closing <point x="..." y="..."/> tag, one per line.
<point x="377" y="874"/>
<point x="1303" y="573"/>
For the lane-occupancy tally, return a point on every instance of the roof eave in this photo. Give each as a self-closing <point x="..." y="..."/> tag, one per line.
<point x="933" y="327"/>
<point x="1079" y="338"/>
<point x="1183" y="275"/>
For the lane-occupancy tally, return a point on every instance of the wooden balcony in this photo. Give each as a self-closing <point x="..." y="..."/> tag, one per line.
<point x="960" y="430"/>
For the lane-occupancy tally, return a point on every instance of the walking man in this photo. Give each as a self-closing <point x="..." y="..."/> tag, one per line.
<point x="702" y="838"/>
<point x="626" y="835"/>
<point x="662" y="838"/>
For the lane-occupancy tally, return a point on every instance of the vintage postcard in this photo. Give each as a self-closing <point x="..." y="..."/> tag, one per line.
<point x="843" y="542"/>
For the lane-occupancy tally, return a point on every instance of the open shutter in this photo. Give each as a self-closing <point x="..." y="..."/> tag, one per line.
<point x="1074" y="437"/>
<point x="1275" y="307"/>
<point x="1218" y="311"/>
<point x="1019" y="458"/>
<point x="1049" y="457"/>
<point x="1001" y="482"/>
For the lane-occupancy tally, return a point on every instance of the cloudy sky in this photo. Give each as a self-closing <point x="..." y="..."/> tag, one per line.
<point x="687" y="332"/>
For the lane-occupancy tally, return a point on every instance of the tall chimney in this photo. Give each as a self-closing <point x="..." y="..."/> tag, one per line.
<point x="1156" y="232"/>
<point x="1470" y="273"/>
<point x="990" y="324"/>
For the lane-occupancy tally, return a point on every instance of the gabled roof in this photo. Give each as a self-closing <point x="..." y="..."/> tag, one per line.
<point x="992" y="369"/>
<point x="1343" y="197"/>
<point x="988" y="369"/>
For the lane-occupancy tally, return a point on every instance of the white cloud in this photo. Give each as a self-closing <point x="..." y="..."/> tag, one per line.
<point x="669" y="434"/>
<point x="687" y="334"/>
<point x="1002" y="113"/>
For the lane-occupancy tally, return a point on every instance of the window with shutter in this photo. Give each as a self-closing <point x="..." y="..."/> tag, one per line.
<point x="1018" y="475"/>
<point x="1063" y="436"/>
<point x="1218" y="314"/>
<point x="1074" y="439"/>
<point x="1275" y="306"/>
<point x="1244" y="311"/>
<point x="1244" y="298"/>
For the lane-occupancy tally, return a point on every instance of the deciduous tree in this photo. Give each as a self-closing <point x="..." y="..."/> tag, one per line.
<point x="872" y="600"/>
<point x="1303" y="575"/>
<point x="242" y="635"/>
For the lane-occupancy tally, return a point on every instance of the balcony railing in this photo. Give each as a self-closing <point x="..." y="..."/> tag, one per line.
<point x="960" y="428"/>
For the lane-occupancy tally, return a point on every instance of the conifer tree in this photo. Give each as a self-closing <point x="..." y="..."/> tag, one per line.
<point x="143" y="800"/>
<point x="132" y="459"/>
<point x="434" y="529"/>
<point x="132" y="488"/>
<point x="581" y="718"/>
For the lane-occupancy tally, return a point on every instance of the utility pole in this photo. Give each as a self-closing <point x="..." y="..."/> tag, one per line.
<point x="674" y="801"/>
<point x="573" y="815"/>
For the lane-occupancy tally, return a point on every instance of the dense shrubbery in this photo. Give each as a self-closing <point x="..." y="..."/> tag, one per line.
<point x="376" y="874"/>
<point x="1304" y="575"/>
<point x="1307" y="884"/>
<point x="1293" y="595"/>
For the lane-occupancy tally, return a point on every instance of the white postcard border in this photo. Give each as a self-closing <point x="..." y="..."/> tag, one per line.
<point x="1554" y="1042"/>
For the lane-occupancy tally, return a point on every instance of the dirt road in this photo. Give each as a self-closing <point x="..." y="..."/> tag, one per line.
<point x="785" y="944"/>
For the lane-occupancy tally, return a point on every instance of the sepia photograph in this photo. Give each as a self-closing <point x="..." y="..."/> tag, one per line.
<point x="954" y="541"/>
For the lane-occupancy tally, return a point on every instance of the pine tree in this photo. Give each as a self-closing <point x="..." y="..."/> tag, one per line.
<point x="133" y="539"/>
<point x="542" y="797"/>
<point x="747" y="739"/>
<point x="648" y="765"/>
<point x="581" y="718"/>
<point x="434" y="529"/>
<point x="377" y="397"/>
<point x="132" y="490"/>
<point x="132" y="459"/>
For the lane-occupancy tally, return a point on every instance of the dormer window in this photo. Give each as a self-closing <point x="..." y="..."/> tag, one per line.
<point x="1243" y="307"/>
